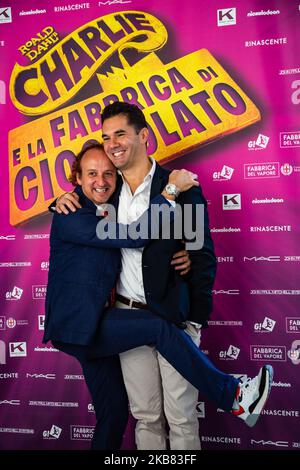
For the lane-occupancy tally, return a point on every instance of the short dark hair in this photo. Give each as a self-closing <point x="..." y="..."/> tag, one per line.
<point x="76" y="166"/>
<point x="134" y="114"/>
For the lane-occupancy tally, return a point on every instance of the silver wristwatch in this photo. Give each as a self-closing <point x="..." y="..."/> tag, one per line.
<point x="172" y="190"/>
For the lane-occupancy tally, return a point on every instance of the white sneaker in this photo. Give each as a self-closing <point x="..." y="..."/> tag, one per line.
<point x="252" y="396"/>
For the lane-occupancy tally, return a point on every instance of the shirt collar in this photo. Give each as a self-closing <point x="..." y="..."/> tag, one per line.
<point x="149" y="175"/>
<point x="102" y="207"/>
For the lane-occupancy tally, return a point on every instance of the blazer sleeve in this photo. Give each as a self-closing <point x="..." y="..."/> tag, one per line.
<point x="203" y="261"/>
<point x="85" y="228"/>
<point x="52" y="205"/>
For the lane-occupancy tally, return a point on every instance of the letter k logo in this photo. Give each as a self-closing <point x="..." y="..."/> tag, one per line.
<point x="231" y="201"/>
<point x="226" y="16"/>
<point x="227" y="13"/>
<point x="17" y="349"/>
<point x="5" y="15"/>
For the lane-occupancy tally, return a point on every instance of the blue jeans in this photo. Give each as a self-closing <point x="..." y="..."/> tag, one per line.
<point x="124" y="329"/>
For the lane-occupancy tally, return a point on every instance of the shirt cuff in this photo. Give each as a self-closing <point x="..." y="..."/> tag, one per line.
<point x="197" y="325"/>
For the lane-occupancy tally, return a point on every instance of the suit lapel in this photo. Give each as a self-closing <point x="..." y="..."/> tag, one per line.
<point x="114" y="200"/>
<point x="84" y="201"/>
<point x="160" y="179"/>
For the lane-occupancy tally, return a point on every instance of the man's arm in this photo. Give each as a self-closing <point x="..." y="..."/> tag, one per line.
<point x="82" y="227"/>
<point x="183" y="180"/>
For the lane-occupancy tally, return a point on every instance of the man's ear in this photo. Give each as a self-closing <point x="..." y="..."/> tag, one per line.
<point x="78" y="178"/>
<point x="144" y="135"/>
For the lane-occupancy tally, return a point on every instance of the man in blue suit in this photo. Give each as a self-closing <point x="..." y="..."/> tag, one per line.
<point x="83" y="270"/>
<point x="82" y="273"/>
<point x="143" y="284"/>
<point x="163" y="394"/>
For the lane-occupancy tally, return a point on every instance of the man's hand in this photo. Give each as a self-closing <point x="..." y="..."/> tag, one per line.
<point x="67" y="201"/>
<point x="183" y="179"/>
<point x="181" y="262"/>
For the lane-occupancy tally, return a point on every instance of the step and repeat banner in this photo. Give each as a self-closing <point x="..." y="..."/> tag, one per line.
<point x="219" y="83"/>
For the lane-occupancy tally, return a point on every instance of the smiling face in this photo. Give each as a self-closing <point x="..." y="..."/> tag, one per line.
<point x="98" y="176"/>
<point x="122" y="143"/>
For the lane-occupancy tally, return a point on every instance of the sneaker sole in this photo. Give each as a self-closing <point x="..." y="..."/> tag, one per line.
<point x="252" y="419"/>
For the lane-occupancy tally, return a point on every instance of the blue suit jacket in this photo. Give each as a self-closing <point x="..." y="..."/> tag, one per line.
<point x="83" y="270"/>
<point x="172" y="296"/>
<point x="176" y="297"/>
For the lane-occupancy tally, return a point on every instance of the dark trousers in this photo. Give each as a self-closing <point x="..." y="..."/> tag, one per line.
<point x="104" y="380"/>
<point x="124" y="329"/>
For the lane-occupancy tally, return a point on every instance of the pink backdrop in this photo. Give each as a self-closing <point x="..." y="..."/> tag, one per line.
<point x="250" y="178"/>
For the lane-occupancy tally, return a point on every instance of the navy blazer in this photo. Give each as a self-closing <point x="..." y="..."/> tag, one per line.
<point x="82" y="272"/>
<point x="169" y="294"/>
<point x="172" y="296"/>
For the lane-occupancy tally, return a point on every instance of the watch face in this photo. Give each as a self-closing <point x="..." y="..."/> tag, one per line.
<point x="171" y="189"/>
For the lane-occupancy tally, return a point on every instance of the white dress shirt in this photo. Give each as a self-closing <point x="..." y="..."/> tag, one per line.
<point x="131" y="207"/>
